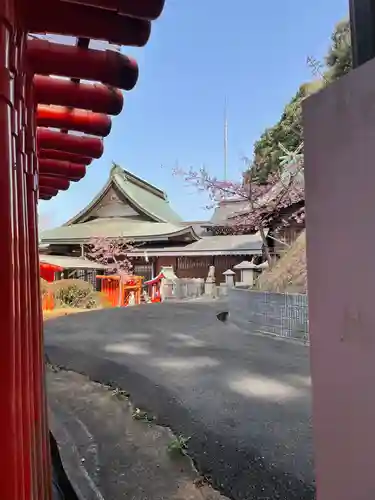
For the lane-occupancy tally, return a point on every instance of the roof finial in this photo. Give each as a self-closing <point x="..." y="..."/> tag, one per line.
<point x="115" y="169"/>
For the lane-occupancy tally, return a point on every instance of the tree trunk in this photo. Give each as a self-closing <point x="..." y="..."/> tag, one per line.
<point x="266" y="246"/>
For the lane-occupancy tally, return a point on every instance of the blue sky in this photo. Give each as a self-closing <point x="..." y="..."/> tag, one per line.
<point x="201" y="52"/>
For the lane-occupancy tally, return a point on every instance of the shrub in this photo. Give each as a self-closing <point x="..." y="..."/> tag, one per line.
<point x="76" y="293"/>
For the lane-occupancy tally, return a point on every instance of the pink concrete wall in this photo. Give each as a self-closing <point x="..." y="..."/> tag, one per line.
<point x="340" y="193"/>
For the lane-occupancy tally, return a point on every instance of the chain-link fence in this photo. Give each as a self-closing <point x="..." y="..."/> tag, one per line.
<point x="281" y="314"/>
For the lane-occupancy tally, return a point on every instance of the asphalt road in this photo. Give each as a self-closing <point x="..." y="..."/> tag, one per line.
<point x="243" y="399"/>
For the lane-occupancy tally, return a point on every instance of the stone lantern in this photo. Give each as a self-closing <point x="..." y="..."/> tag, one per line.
<point x="247" y="269"/>
<point x="229" y="278"/>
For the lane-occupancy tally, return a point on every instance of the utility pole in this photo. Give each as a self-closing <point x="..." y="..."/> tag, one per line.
<point x="225" y="141"/>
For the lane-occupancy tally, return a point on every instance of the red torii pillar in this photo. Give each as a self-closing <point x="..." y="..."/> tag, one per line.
<point x="24" y="457"/>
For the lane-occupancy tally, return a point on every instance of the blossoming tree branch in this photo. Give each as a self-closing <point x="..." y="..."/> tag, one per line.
<point x="113" y="253"/>
<point x="269" y="201"/>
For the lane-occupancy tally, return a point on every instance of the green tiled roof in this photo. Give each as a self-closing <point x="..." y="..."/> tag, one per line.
<point x="148" y="199"/>
<point x="152" y="201"/>
<point x="115" y="227"/>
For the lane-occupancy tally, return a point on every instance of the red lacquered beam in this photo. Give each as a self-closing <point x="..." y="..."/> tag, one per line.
<point x="73" y="119"/>
<point x="143" y="9"/>
<point x="43" y="196"/>
<point x="70" y="171"/>
<point x="109" y="67"/>
<point x="65" y="156"/>
<point x="49" y="191"/>
<point x="81" y="145"/>
<point x="94" y="97"/>
<point x="98" y="24"/>
<point x="56" y="182"/>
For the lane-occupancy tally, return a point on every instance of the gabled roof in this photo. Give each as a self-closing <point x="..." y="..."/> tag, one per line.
<point x="241" y="244"/>
<point x="292" y="179"/>
<point x="146" y="199"/>
<point x="117" y="228"/>
<point x="230" y="209"/>
<point x="69" y="262"/>
<point x="226" y="209"/>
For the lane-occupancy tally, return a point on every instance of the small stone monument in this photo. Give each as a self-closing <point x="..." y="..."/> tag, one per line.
<point x="229" y="278"/>
<point x="131" y="301"/>
<point x="169" y="283"/>
<point x="210" y="285"/>
<point x="211" y="275"/>
<point x="146" y="297"/>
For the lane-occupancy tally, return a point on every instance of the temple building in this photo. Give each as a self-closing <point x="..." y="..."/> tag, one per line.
<point x="131" y="208"/>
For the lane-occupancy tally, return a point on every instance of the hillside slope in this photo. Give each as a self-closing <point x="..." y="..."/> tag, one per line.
<point x="289" y="273"/>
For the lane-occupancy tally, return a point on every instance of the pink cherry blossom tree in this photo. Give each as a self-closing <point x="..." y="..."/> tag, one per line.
<point x="267" y="201"/>
<point x="114" y="253"/>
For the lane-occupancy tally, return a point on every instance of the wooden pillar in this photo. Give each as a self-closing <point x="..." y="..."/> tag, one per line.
<point x="11" y="453"/>
<point x="25" y="455"/>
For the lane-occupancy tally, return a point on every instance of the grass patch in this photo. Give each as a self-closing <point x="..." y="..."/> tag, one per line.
<point x="120" y="393"/>
<point x="143" y="416"/>
<point x="178" y="446"/>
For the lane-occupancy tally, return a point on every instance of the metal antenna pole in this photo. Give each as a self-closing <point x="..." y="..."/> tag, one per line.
<point x="225" y="141"/>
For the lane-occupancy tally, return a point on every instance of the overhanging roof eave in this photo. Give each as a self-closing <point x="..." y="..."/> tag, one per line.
<point x="161" y="237"/>
<point x="195" y="253"/>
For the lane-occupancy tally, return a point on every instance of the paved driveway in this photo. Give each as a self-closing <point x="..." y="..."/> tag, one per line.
<point x="243" y="399"/>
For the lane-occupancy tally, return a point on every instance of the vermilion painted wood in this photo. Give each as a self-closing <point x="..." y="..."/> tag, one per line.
<point x="41" y="472"/>
<point x="101" y="24"/>
<point x="95" y="97"/>
<point x="81" y="145"/>
<point x="143" y="9"/>
<point x="73" y="119"/>
<point x="31" y="460"/>
<point x="56" y="182"/>
<point x="48" y="190"/>
<point x="25" y="472"/>
<point x="43" y="196"/>
<point x="21" y="416"/>
<point x="112" y="68"/>
<point x="66" y="156"/>
<point x="71" y="171"/>
<point x="9" y="456"/>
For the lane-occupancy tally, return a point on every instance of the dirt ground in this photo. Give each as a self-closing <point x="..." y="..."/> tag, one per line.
<point x="56" y="313"/>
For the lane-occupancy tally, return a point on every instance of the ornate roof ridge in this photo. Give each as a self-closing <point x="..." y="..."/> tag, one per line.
<point x="129" y="176"/>
<point x="128" y="183"/>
